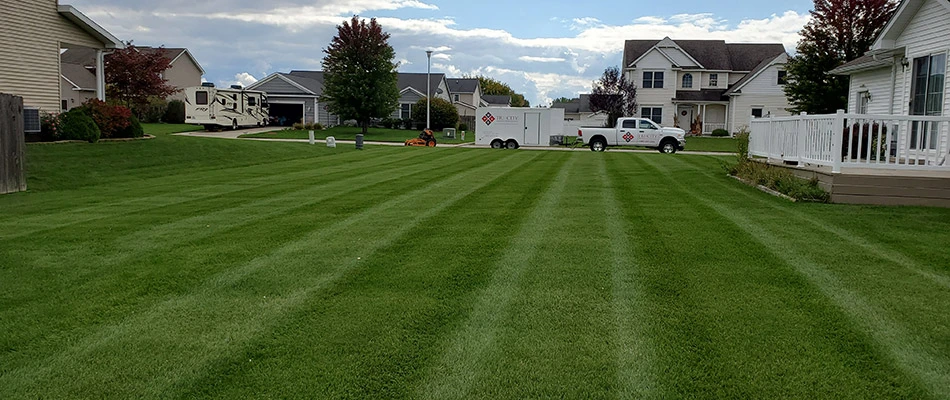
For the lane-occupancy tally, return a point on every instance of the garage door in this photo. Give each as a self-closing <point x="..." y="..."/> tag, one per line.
<point x="285" y="114"/>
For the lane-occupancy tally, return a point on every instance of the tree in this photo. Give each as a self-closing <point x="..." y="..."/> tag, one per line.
<point x="563" y="100"/>
<point x="134" y="75"/>
<point x="444" y="114"/>
<point x="359" y="73"/>
<point x="491" y="86"/>
<point x="839" y="31"/>
<point x="615" y="95"/>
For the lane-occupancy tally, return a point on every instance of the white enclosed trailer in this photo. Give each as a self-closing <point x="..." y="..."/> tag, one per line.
<point x="512" y="127"/>
<point x="233" y="107"/>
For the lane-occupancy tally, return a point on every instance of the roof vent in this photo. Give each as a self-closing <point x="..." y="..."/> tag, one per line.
<point x="31" y="120"/>
<point x="207" y="84"/>
<point x="238" y="87"/>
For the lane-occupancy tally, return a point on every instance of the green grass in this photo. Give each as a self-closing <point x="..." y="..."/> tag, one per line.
<point x="186" y="267"/>
<point x="349" y="133"/>
<point x="164" y="129"/>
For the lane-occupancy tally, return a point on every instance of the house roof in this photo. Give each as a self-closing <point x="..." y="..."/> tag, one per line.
<point x="497" y="99"/>
<point x="716" y="55"/>
<point x="462" y="85"/>
<point x="79" y="76"/>
<point x="312" y="80"/>
<point x="701" y="95"/>
<point x="172" y="53"/>
<point x="83" y="22"/>
<point x="417" y="81"/>
<point x="754" y="73"/>
<point x="87" y="56"/>
<point x="902" y="17"/>
<point x="579" y="105"/>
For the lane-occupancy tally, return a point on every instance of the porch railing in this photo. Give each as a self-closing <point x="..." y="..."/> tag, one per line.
<point x="854" y="140"/>
<point x="709" y="127"/>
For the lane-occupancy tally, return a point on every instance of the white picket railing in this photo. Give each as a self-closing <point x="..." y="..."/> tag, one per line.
<point x="854" y="140"/>
<point x="709" y="127"/>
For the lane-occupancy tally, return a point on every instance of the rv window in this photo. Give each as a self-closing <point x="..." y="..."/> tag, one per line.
<point x="201" y="98"/>
<point x="252" y="101"/>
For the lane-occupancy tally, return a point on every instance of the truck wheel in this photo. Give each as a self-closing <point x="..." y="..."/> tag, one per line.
<point x="667" y="147"/>
<point x="598" y="145"/>
<point x="496" y="144"/>
<point x="511" y="144"/>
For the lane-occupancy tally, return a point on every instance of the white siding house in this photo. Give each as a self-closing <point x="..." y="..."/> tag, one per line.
<point x="704" y="85"/>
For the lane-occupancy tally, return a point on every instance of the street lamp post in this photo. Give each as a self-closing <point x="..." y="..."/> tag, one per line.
<point x="428" y="84"/>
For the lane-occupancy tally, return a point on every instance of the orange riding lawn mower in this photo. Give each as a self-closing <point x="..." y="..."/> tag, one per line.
<point x="425" y="139"/>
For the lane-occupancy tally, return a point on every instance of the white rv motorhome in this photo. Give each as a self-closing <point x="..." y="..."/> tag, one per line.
<point x="512" y="127"/>
<point x="233" y="107"/>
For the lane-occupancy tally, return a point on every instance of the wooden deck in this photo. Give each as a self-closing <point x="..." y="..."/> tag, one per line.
<point x="879" y="186"/>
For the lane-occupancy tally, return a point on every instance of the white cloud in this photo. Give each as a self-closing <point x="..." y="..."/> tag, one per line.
<point x="442" y="56"/>
<point x="650" y="20"/>
<point x="541" y="59"/>
<point x="244" y="79"/>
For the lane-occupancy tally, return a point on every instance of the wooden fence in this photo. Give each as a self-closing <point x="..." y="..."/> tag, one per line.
<point x="12" y="147"/>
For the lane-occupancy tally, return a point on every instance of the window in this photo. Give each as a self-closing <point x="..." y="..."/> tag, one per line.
<point x="863" y="99"/>
<point x="201" y="98"/>
<point x="927" y="98"/>
<point x="456" y="98"/>
<point x="653" y="80"/>
<point x="757" y="112"/>
<point x="782" y="75"/>
<point x="630" y="124"/>
<point x="648" y="125"/>
<point x="652" y="113"/>
<point x="687" y="81"/>
<point x="65" y="105"/>
<point x="252" y="101"/>
<point x="406" y="112"/>
<point x="714" y="80"/>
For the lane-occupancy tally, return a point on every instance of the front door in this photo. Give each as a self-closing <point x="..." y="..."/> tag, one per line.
<point x="684" y="117"/>
<point x="532" y="128"/>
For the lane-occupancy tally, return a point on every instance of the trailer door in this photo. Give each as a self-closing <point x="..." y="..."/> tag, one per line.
<point x="532" y="128"/>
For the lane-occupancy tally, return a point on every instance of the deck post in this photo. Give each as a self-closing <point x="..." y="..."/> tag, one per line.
<point x="836" y="138"/>
<point x="802" y="132"/>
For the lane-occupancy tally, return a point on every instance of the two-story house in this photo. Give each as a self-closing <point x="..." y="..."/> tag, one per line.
<point x="704" y="85"/>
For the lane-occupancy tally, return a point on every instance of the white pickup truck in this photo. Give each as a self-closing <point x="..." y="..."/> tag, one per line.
<point x="634" y="132"/>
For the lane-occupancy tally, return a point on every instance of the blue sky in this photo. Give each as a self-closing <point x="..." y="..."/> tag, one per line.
<point x="544" y="49"/>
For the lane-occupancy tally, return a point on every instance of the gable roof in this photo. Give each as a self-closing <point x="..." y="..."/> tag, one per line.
<point x="83" y="22"/>
<point x="462" y="85"/>
<point x="80" y="77"/>
<point x="716" y="55"/>
<point x="781" y="58"/>
<point x="904" y="14"/>
<point x="86" y="56"/>
<point x="173" y="54"/>
<point x="578" y="105"/>
<point x="306" y="86"/>
<point x="417" y="81"/>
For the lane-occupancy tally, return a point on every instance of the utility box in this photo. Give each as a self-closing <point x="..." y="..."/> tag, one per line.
<point x="449" y="132"/>
<point x="512" y="127"/>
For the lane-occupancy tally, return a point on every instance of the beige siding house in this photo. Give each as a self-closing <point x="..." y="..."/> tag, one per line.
<point x="706" y="84"/>
<point x="466" y="95"/>
<point x="33" y="34"/>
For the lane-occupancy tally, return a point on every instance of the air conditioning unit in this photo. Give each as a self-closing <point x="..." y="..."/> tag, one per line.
<point x="31" y="120"/>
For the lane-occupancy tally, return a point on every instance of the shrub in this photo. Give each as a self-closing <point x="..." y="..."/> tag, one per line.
<point x="407" y="123"/>
<point x="175" y="114"/>
<point x="78" y="125"/>
<point x="720" y="133"/>
<point x="298" y="126"/>
<point x="463" y="127"/>
<point x="50" y="127"/>
<point x="389" y="123"/>
<point x="443" y="114"/>
<point x="110" y="119"/>
<point x="154" y="111"/>
<point x="318" y="126"/>
<point x="134" y="130"/>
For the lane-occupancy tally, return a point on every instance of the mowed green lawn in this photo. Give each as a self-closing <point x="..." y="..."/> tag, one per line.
<point x="349" y="133"/>
<point x="186" y="267"/>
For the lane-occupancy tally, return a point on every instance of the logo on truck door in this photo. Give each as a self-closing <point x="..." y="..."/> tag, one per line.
<point x="628" y="137"/>
<point x="488" y="118"/>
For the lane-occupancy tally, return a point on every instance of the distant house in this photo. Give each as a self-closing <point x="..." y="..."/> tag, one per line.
<point x="716" y="84"/>
<point x="466" y="95"/>
<point x="905" y="71"/>
<point x="78" y="64"/>
<point x="412" y="88"/>
<point x="34" y="33"/>
<point x="578" y="112"/>
<point x="495" y="100"/>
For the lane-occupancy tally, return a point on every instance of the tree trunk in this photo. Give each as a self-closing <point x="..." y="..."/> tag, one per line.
<point x="365" y="124"/>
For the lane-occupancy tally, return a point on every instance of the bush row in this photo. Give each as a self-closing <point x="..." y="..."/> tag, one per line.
<point x="778" y="179"/>
<point x="93" y="120"/>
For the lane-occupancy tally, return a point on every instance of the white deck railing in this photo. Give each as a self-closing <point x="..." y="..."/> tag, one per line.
<point x="854" y="140"/>
<point x="709" y="127"/>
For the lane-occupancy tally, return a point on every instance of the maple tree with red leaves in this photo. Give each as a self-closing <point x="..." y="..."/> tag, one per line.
<point x="133" y="75"/>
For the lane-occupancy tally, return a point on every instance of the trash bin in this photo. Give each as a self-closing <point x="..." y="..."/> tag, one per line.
<point x="359" y="141"/>
<point x="331" y="141"/>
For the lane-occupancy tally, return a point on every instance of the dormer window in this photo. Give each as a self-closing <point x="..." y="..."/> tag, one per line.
<point x="714" y="80"/>
<point x="687" y="81"/>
